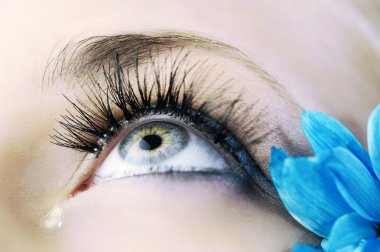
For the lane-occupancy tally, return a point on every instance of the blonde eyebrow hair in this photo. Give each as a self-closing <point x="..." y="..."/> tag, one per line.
<point x="91" y="54"/>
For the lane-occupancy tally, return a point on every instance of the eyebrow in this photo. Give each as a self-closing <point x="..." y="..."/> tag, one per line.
<point x="90" y="54"/>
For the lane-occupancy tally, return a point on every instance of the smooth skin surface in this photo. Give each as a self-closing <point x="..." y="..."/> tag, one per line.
<point x="326" y="55"/>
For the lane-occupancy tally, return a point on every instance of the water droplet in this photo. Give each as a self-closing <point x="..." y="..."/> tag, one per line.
<point x="53" y="219"/>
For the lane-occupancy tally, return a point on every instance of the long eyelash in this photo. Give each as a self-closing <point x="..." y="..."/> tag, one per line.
<point x="122" y="99"/>
<point x="89" y="128"/>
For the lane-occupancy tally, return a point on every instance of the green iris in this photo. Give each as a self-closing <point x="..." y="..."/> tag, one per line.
<point x="153" y="142"/>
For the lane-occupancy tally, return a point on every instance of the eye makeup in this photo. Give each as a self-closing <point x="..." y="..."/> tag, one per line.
<point x="120" y="97"/>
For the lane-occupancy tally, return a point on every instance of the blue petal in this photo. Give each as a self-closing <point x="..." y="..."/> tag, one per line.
<point x="374" y="140"/>
<point x="372" y="245"/>
<point x="305" y="248"/>
<point x="278" y="155"/>
<point x="356" y="184"/>
<point x="324" y="133"/>
<point x="307" y="191"/>
<point x="348" y="231"/>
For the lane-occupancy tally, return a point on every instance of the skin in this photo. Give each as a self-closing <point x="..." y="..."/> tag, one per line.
<point x="315" y="52"/>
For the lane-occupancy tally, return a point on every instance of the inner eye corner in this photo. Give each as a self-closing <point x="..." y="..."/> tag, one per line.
<point x="81" y="187"/>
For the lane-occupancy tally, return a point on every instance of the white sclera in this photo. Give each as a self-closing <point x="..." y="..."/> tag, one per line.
<point x="197" y="155"/>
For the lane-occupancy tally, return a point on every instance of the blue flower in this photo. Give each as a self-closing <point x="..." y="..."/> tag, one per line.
<point x="336" y="193"/>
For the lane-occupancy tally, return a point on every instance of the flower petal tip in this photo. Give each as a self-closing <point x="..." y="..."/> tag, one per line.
<point x="326" y="133"/>
<point x="309" y="116"/>
<point x="277" y="158"/>
<point x="276" y="163"/>
<point x="278" y="154"/>
<point x="374" y="140"/>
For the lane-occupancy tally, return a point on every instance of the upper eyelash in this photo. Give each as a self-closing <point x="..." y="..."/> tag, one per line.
<point x="90" y="127"/>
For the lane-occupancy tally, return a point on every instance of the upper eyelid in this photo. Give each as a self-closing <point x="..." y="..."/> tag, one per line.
<point x="119" y="89"/>
<point x="114" y="74"/>
<point x="77" y="60"/>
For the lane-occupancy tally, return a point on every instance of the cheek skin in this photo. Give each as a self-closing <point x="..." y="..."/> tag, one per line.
<point x="166" y="214"/>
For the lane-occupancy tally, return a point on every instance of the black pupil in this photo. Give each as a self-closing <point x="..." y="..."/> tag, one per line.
<point x="150" y="142"/>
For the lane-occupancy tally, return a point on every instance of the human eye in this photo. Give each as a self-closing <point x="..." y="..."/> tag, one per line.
<point x="159" y="146"/>
<point x="168" y="112"/>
